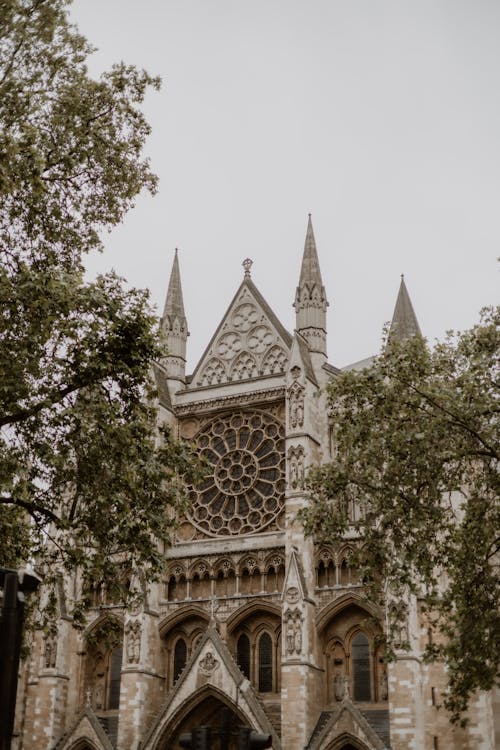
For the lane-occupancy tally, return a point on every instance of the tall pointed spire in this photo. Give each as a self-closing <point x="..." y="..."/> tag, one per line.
<point x="310" y="297"/>
<point x="174" y="325"/>
<point x="174" y="304"/>
<point x="404" y="322"/>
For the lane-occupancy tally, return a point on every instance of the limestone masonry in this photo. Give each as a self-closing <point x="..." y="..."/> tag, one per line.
<point x="252" y="616"/>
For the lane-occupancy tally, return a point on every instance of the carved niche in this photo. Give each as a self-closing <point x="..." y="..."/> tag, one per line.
<point x="133" y="641"/>
<point x="296" y="395"/>
<point x="293" y="631"/>
<point x="295" y="458"/>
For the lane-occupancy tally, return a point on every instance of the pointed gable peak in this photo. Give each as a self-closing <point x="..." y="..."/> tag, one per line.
<point x="310" y="273"/>
<point x="404" y="322"/>
<point x="174" y="304"/>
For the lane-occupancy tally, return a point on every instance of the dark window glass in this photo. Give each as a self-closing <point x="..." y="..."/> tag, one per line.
<point x="243" y="656"/>
<point x="361" y="668"/>
<point x="265" y="663"/>
<point x="180" y="655"/>
<point x="115" y="677"/>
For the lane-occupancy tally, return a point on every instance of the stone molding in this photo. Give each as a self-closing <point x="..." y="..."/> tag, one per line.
<point x="235" y="399"/>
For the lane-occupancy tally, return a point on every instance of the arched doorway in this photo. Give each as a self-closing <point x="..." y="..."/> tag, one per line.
<point x="209" y="711"/>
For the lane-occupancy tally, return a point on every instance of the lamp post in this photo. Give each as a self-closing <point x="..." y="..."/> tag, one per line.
<point x="14" y="584"/>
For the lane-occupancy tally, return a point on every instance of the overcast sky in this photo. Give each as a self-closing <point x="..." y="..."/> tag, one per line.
<point x="381" y="118"/>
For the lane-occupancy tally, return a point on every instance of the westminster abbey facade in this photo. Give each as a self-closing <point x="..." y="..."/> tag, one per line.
<point x="253" y="620"/>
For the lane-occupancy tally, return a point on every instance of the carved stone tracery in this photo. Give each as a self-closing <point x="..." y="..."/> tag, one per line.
<point x="246" y="347"/>
<point x="244" y="488"/>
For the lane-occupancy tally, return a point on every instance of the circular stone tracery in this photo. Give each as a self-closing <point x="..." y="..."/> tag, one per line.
<point x="244" y="490"/>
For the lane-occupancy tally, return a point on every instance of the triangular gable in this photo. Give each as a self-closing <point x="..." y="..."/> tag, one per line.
<point x="294" y="588"/>
<point x="211" y="664"/>
<point x="86" y="727"/>
<point x="249" y="342"/>
<point x="346" y="721"/>
<point x="300" y="358"/>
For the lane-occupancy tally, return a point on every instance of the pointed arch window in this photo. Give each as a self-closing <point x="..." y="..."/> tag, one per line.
<point x="115" y="677"/>
<point x="180" y="657"/>
<point x="360" y="651"/>
<point x="243" y="655"/>
<point x="265" y="663"/>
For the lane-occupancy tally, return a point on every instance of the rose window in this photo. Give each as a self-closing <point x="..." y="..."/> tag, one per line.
<point x="244" y="490"/>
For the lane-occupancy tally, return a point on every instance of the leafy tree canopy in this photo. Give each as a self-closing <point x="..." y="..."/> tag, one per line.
<point x="417" y="452"/>
<point x="85" y="481"/>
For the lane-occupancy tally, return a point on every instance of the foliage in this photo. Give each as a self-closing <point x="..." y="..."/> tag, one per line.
<point x="417" y="438"/>
<point x="85" y="481"/>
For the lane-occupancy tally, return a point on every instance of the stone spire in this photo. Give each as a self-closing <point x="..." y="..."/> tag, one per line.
<point x="310" y="298"/>
<point x="174" y="325"/>
<point x="404" y="322"/>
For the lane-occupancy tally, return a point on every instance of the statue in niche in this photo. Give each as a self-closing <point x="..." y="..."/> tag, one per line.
<point x="290" y="637"/>
<point x="296" y="464"/>
<point x="296" y="405"/>
<point x="293" y="619"/>
<point x="298" y="637"/>
<point x="50" y="652"/>
<point x="338" y="686"/>
<point x="133" y="633"/>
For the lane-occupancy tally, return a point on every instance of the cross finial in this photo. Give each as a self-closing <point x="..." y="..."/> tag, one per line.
<point x="247" y="265"/>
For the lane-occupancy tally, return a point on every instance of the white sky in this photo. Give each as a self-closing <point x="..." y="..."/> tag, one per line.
<point x="380" y="117"/>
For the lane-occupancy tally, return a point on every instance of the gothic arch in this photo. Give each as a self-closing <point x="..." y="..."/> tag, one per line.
<point x="250" y="609"/>
<point x="177" y="617"/>
<point x="347" y="741"/>
<point x="193" y="712"/>
<point x="103" y="619"/>
<point x="332" y="609"/>
<point x="83" y="743"/>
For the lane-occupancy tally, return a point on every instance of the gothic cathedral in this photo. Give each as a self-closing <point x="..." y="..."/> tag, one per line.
<point x="254" y="624"/>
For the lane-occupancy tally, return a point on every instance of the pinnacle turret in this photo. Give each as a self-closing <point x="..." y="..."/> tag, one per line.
<point x="310" y="297"/>
<point x="174" y="325"/>
<point x="404" y="322"/>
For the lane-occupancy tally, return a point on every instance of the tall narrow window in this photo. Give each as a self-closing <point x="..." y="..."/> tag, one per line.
<point x="115" y="670"/>
<point x="180" y="655"/>
<point x="265" y="663"/>
<point x="361" y="667"/>
<point x="243" y="655"/>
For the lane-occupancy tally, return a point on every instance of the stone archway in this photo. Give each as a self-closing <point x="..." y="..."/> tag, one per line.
<point x="205" y="710"/>
<point x="346" y="741"/>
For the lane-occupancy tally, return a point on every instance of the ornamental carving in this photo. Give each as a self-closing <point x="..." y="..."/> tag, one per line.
<point x="229" y="345"/>
<point x="296" y="394"/>
<point x="245" y="316"/>
<point x="260" y="339"/>
<point x="247" y="345"/>
<point x="244" y="488"/>
<point x="292" y="594"/>
<point x="208" y="664"/>
<point x="244" y="367"/>
<point x="275" y="361"/>
<point x="133" y="641"/>
<point x="214" y="372"/>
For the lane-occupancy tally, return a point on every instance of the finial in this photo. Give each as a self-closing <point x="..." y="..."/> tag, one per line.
<point x="247" y="265"/>
<point x="88" y="696"/>
<point x="402" y="276"/>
